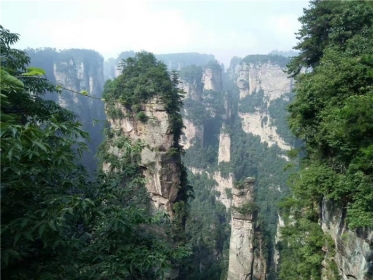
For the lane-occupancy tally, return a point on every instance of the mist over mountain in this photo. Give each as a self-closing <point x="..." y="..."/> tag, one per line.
<point x="187" y="140"/>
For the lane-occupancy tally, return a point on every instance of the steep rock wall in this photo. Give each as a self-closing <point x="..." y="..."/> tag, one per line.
<point x="244" y="263"/>
<point x="77" y="70"/>
<point x="191" y="132"/>
<point x="223" y="186"/>
<point x="212" y="79"/>
<point x="269" y="79"/>
<point x="259" y="123"/>
<point x="353" y="249"/>
<point x="192" y="90"/>
<point x="224" y="147"/>
<point x="267" y="76"/>
<point x="160" y="167"/>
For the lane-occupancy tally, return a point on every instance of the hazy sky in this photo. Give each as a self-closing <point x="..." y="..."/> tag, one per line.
<point x="222" y="28"/>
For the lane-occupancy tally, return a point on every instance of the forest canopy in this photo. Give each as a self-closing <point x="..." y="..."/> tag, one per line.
<point x="55" y="222"/>
<point x="332" y="114"/>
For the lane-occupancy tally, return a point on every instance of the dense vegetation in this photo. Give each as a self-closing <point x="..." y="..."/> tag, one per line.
<point x="144" y="78"/>
<point x="249" y="157"/>
<point x="55" y="223"/>
<point x="208" y="232"/>
<point x="332" y="113"/>
<point x="207" y="226"/>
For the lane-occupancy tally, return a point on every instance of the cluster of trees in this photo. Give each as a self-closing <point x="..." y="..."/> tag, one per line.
<point x="207" y="231"/>
<point x="249" y="157"/>
<point x="207" y="226"/>
<point x="332" y="114"/>
<point x="56" y="224"/>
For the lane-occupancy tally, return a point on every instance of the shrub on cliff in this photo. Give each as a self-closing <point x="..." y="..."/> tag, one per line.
<point x="54" y="222"/>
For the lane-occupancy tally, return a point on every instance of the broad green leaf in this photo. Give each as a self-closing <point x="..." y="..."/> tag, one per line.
<point x="39" y="71"/>
<point x="8" y="79"/>
<point x="41" y="230"/>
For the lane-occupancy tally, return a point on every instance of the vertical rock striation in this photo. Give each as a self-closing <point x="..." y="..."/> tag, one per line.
<point x="77" y="70"/>
<point x="353" y="249"/>
<point x="244" y="262"/>
<point x="261" y="80"/>
<point x="159" y="162"/>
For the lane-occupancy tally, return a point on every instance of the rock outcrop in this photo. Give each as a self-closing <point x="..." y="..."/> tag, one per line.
<point x="224" y="147"/>
<point x="161" y="167"/>
<point x="244" y="262"/>
<point x="353" y="249"/>
<point x="212" y="79"/>
<point x="268" y="78"/>
<point x="259" y="123"/>
<point x="191" y="132"/>
<point x="77" y="70"/>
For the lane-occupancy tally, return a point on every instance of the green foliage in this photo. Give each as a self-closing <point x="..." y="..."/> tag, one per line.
<point x="142" y="78"/>
<point x="75" y="70"/>
<point x="277" y="110"/>
<point x="250" y="157"/>
<point x="246" y="208"/>
<point x="301" y="254"/>
<point x="192" y="74"/>
<point x="197" y="112"/>
<point x="213" y="65"/>
<point x="56" y="224"/>
<point x="253" y="103"/>
<point x="142" y="117"/>
<point x="229" y="193"/>
<point x="332" y="113"/>
<point x="225" y="169"/>
<point x="329" y="23"/>
<point x="208" y="231"/>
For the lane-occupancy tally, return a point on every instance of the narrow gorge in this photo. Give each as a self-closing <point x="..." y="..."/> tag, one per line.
<point x="236" y="141"/>
<point x="176" y="166"/>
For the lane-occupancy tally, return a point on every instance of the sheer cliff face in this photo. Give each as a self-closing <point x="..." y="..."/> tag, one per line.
<point x="159" y="162"/>
<point x="267" y="76"/>
<point x="77" y="70"/>
<point x="353" y="249"/>
<point x="267" y="80"/>
<point x="245" y="260"/>
<point x="212" y="79"/>
<point x="205" y="90"/>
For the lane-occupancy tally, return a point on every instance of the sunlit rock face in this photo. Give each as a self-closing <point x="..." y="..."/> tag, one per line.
<point x="276" y="256"/>
<point x="191" y="132"/>
<point x="212" y="79"/>
<point x="223" y="184"/>
<point x="266" y="77"/>
<point x="160" y="165"/>
<point x="244" y="262"/>
<point x="353" y="249"/>
<point x="192" y="90"/>
<point x="224" y="147"/>
<point x="259" y="123"/>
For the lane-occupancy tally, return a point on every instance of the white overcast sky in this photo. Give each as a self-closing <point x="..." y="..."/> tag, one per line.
<point x="222" y="28"/>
